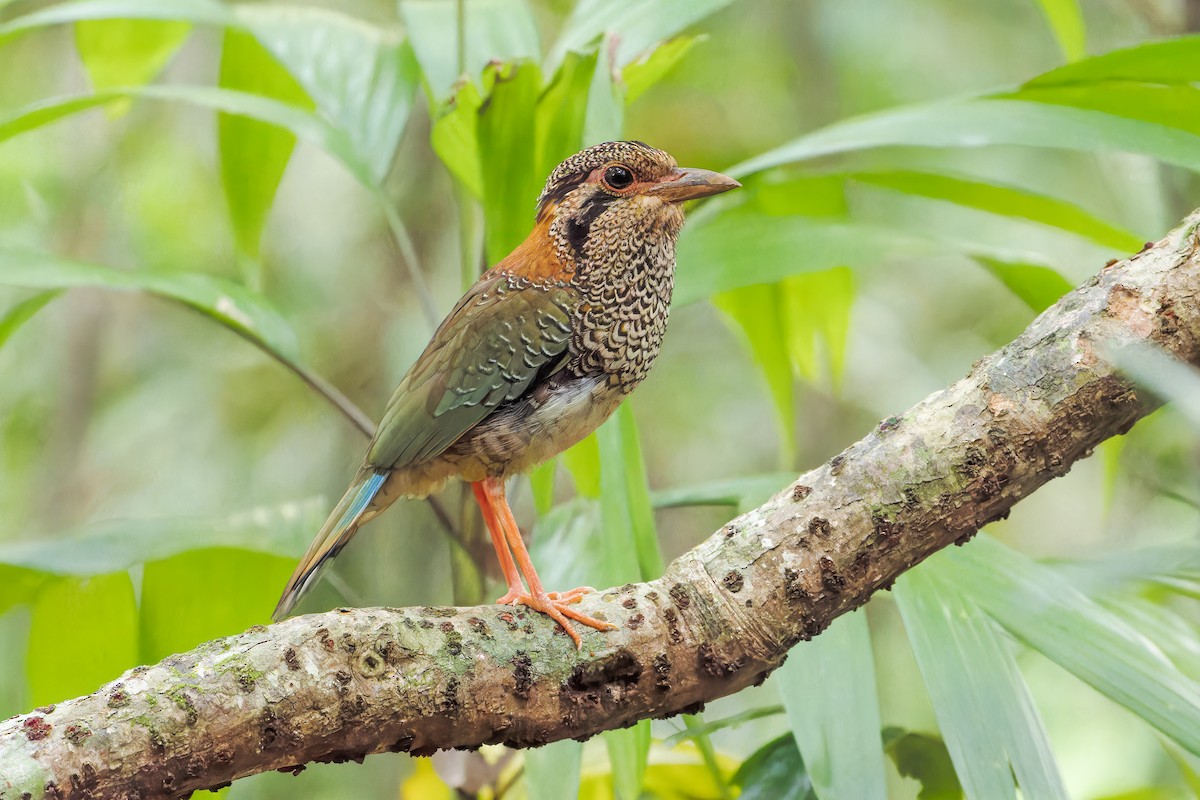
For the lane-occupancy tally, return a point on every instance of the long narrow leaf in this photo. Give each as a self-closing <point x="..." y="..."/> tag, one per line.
<point x="1038" y="286"/>
<point x="1042" y="609"/>
<point x="1009" y="201"/>
<point x="1066" y="21"/>
<point x="361" y="77"/>
<point x="507" y="139"/>
<point x="495" y="31"/>
<point x="740" y="248"/>
<point x="630" y="552"/>
<point x="114" y="546"/>
<point x="253" y="154"/>
<point x="84" y="631"/>
<point x="637" y="26"/>
<point x="240" y="310"/>
<point x="301" y="123"/>
<point x="980" y="122"/>
<point x="1175" y="60"/>
<point x="1165" y="376"/>
<point x="756" y="313"/>
<point x="991" y="728"/>
<point x="743" y="493"/>
<point x="22" y="312"/>
<point x="828" y="689"/>
<point x="127" y="52"/>
<point x="552" y="772"/>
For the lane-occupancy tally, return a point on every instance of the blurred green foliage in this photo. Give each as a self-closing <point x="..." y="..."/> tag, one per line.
<point x="920" y="180"/>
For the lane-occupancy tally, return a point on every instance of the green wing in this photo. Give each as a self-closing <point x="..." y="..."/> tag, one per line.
<point x="495" y="342"/>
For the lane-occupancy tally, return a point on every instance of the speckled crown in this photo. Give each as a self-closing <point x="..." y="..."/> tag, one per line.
<point x="645" y="161"/>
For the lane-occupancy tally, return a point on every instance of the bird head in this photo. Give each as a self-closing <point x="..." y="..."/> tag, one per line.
<point x="619" y="194"/>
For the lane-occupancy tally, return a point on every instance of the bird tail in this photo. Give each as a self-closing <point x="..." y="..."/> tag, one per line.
<point x="335" y="533"/>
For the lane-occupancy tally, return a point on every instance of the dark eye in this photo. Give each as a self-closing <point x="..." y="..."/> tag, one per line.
<point x="618" y="177"/>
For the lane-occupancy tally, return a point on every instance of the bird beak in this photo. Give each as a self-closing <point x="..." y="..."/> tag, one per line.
<point x="684" y="183"/>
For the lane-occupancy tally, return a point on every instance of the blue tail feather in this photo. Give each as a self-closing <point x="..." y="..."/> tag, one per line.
<point x="335" y="533"/>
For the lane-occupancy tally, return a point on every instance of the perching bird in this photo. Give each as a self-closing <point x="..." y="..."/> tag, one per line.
<point x="539" y="352"/>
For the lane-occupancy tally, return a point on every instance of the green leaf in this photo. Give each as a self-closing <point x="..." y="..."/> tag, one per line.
<point x="22" y="312"/>
<point x="775" y="772"/>
<point x="629" y="552"/>
<point x="636" y="26"/>
<point x="742" y="248"/>
<point x="708" y="753"/>
<point x="362" y="78"/>
<point x="626" y="516"/>
<point x="253" y="154"/>
<point x="628" y="749"/>
<point x="637" y="490"/>
<point x="204" y="594"/>
<point x="988" y="719"/>
<point x="245" y="313"/>
<point x="816" y="309"/>
<point x="507" y="136"/>
<point x="242" y="311"/>
<point x="116" y="545"/>
<point x="565" y="542"/>
<point x="1039" y="287"/>
<point x="455" y="138"/>
<point x="303" y="124"/>
<point x="552" y="772"/>
<point x="605" y="115"/>
<point x="981" y="122"/>
<point x="1175" y="60"/>
<point x="541" y="482"/>
<point x="495" y="31"/>
<point x="651" y="68"/>
<point x="84" y="633"/>
<point x="127" y="52"/>
<point x="715" y="725"/>
<point x="207" y="12"/>
<point x="757" y="314"/>
<point x="1042" y="609"/>
<point x="828" y="688"/>
<point x="923" y="758"/>
<point x="1008" y="201"/>
<point x="562" y="109"/>
<point x="805" y="195"/>
<point x="1066" y="21"/>
<point x="583" y="462"/>
<point x="744" y="493"/>
<point x="1163" y="375"/>
<point x="18" y="585"/>
<point x="1169" y="106"/>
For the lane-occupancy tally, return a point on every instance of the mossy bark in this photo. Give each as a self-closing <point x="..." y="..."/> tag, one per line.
<point x="348" y="683"/>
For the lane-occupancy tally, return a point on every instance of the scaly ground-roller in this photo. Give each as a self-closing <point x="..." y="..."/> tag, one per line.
<point x="539" y="352"/>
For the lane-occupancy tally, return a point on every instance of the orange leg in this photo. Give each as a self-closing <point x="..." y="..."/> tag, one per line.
<point x="515" y="587"/>
<point x="556" y="605"/>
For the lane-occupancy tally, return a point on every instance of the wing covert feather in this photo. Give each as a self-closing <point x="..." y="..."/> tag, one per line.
<point x="487" y="352"/>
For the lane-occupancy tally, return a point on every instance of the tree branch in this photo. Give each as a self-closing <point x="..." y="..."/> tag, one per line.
<point x="342" y="685"/>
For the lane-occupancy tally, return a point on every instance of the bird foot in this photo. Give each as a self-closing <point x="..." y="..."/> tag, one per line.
<point x="557" y="606"/>
<point x="510" y="597"/>
<point x="571" y="595"/>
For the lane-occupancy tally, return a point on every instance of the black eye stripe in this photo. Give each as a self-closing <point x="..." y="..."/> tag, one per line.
<point x="618" y="176"/>
<point x="580" y="227"/>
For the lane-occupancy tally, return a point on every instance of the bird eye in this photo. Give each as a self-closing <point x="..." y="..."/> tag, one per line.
<point x="618" y="177"/>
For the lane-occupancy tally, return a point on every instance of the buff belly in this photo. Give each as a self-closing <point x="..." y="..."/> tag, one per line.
<point x="512" y="440"/>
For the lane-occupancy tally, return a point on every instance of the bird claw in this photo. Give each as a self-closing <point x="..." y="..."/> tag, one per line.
<point x="557" y="606"/>
<point x="510" y="598"/>
<point x="571" y="595"/>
